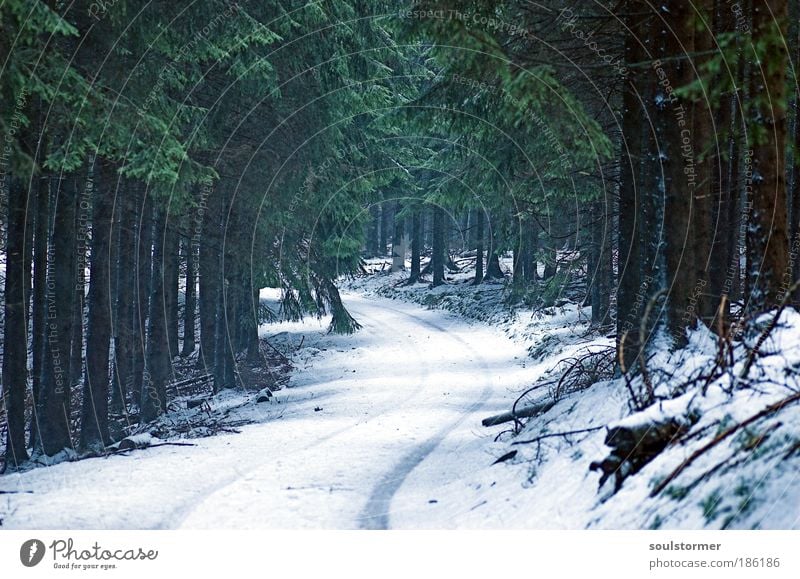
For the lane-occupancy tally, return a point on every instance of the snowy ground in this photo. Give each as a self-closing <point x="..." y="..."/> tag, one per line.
<point x="361" y="413"/>
<point x="381" y="429"/>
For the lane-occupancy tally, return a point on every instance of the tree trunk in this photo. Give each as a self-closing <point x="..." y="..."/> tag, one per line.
<point x="209" y="280"/>
<point x="83" y="207"/>
<point x="171" y="277"/>
<point x="652" y="198"/>
<point x="15" y="330"/>
<point x="124" y="323"/>
<point x="416" y="242"/>
<point x="493" y="269"/>
<point x="224" y="352"/>
<point x="190" y="301"/>
<point x="705" y="145"/>
<point x="144" y="266"/>
<point x="723" y="264"/>
<point x="94" y="411"/>
<point x="41" y="246"/>
<point x="373" y="231"/>
<point x="601" y="270"/>
<point x="629" y="279"/>
<point x="479" y="239"/>
<point x="795" y="191"/>
<point x="399" y="242"/>
<point x="386" y="220"/>
<point x="767" y="242"/>
<point x="438" y="257"/>
<point x="53" y="411"/>
<point x="679" y="178"/>
<point x="157" y="360"/>
<point x="253" y="341"/>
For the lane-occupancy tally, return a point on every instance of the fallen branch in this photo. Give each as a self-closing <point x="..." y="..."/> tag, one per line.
<point x="192" y="380"/>
<point x="527" y="412"/>
<point x="130" y="448"/>
<point x="554" y="434"/>
<point x="772" y="408"/>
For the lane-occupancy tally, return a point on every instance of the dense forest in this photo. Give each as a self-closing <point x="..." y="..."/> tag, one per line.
<point x="162" y="163"/>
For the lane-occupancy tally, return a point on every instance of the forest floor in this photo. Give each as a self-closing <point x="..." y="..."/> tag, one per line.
<point x="382" y="429"/>
<point x="330" y="450"/>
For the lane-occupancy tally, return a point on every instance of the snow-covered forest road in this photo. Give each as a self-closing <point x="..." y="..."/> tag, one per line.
<point x="363" y="413"/>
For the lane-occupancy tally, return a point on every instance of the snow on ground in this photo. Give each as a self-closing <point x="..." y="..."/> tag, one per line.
<point x="749" y="480"/>
<point x="382" y="429"/>
<point x="358" y="415"/>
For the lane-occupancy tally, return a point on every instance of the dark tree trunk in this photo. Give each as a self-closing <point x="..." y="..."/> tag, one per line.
<point x="53" y="411"/>
<point x="386" y="221"/>
<point x="171" y="276"/>
<point x="518" y="265"/>
<point x="651" y="195"/>
<point x="209" y="281"/>
<point x="190" y="301"/>
<point x="600" y="272"/>
<point x="493" y="269"/>
<point x="144" y="265"/>
<point x="83" y="209"/>
<point x="157" y="360"/>
<point x="675" y="132"/>
<point x="373" y="231"/>
<point x="438" y="258"/>
<point x="767" y="241"/>
<point x="124" y="326"/>
<point x="15" y="330"/>
<point x="629" y="279"/>
<point x="479" y="240"/>
<point x="224" y="360"/>
<point x="224" y="335"/>
<point x="399" y="240"/>
<point x="795" y="190"/>
<point x="253" y="341"/>
<point x="416" y="242"/>
<point x="705" y="145"/>
<point x="41" y="245"/>
<point x="94" y="411"/>
<point x="723" y="265"/>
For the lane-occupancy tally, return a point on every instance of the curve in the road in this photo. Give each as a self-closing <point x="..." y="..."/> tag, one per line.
<point x="376" y="513"/>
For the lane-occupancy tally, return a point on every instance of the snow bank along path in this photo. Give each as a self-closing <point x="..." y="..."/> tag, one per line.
<point x="361" y="413"/>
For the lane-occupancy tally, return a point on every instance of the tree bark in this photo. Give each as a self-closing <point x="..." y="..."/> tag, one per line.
<point x="171" y="277"/>
<point x="416" y="242"/>
<point x="53" y="411"/>
<point x="15" y="342"/>
<point x="209" y="281"/>
<point x="677" y="140"/>
<point x="190" y="299"/>
<point x="157" y="360"/>
<point x="124" y="322"/>
<point x="438" y="257"/>
<point x="41" y="244"/>
<point x="94" y="410"/>
<point x="629" y="278"/>
<point x="493" y="269"/>
<point x="767" y="239"/>
<point x="399" y="241"/>
<point x="144" y="266"/>
<point x="480" y="219"/>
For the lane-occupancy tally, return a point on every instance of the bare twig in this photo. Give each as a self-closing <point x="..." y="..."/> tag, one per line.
<point x="554" y="434"/>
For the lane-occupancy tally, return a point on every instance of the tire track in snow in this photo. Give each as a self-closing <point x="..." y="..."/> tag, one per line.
<point x="180" y="515"/>
<point x="376" y="513"/>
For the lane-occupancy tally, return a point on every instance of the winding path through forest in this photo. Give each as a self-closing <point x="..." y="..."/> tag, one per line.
<point x="362" y="413"/>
